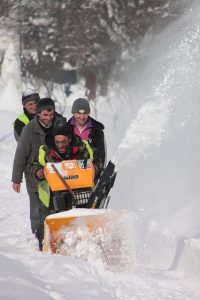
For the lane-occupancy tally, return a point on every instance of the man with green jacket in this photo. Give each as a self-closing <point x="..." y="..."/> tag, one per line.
<point x="29" y="102"/>
<point x="59" y="146"/>
<point x="32" y="137"/>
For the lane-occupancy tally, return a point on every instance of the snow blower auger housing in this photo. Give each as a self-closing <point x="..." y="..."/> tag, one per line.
<point x="77" y="177"/>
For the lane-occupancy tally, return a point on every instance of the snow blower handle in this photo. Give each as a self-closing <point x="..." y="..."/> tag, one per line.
<point x="65" y="184"/>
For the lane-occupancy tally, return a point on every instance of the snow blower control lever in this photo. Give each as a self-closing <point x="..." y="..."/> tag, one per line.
<point x="99" y="197"/>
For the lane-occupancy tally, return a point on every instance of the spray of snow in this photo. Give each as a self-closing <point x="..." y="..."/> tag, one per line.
<point x="147" y="129"/>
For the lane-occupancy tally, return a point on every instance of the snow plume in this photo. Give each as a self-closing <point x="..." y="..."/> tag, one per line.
<point x="148" y="129"/>
<point x="168" y="82"/>
<point x="168" y="88"/>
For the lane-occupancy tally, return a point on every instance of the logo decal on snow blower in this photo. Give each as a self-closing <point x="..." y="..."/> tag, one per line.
<point x="70" y="177"/>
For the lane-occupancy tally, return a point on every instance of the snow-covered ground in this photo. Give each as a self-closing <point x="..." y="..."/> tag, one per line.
<point x="26" y="271"/>
<point x="158" y="160"/>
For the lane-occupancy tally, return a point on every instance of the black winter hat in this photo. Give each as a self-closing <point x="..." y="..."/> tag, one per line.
<point x="81" y="105"/>
<point x="30" y="95"/>
<point x="45" y="104"/>
<point x="63" y="129"/>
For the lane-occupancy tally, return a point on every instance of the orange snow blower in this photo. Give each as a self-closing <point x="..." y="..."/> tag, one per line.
<point x="75" y="194"/>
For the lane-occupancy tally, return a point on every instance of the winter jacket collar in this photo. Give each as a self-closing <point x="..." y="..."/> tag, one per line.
<point x="29" y="116"/>
<point x="96" y="125"/>
<point x="37" y="127"/>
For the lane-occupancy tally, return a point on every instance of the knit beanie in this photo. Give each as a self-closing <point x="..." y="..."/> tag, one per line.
<point x="81" y="105"/>
<point x="30" y="95"/>
<point x="63" y="129"/>
<point x="45" y="104"/>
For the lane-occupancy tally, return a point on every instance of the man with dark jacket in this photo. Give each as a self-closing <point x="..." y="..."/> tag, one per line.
<point x="90" y="130"/>
<point x="29" y="102"/>
<point x="32" y="137"/>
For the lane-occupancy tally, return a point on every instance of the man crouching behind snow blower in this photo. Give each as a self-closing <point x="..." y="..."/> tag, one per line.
<point x="59" y="146"/>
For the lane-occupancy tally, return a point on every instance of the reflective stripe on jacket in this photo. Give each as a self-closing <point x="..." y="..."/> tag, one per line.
<point x="23" y="118"/>
<point x="44" y="192"/>
<point x="41" y="156"/>
<point x="43" y="187"/>
<point x="89" y="149"/>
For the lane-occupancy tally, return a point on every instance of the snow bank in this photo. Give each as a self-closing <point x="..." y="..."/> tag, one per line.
<point x="10" y="92"/>
<point x="160" y="249"/>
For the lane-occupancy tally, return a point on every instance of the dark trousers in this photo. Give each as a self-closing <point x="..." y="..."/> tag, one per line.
<point x="34" y="210"/>
<point x="38" y="212"/>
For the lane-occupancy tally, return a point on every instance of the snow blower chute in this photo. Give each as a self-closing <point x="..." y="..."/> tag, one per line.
<point x="77" y="200"/>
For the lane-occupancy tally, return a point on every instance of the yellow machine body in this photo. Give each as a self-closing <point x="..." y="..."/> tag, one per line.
<point x="75" y="173"/>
